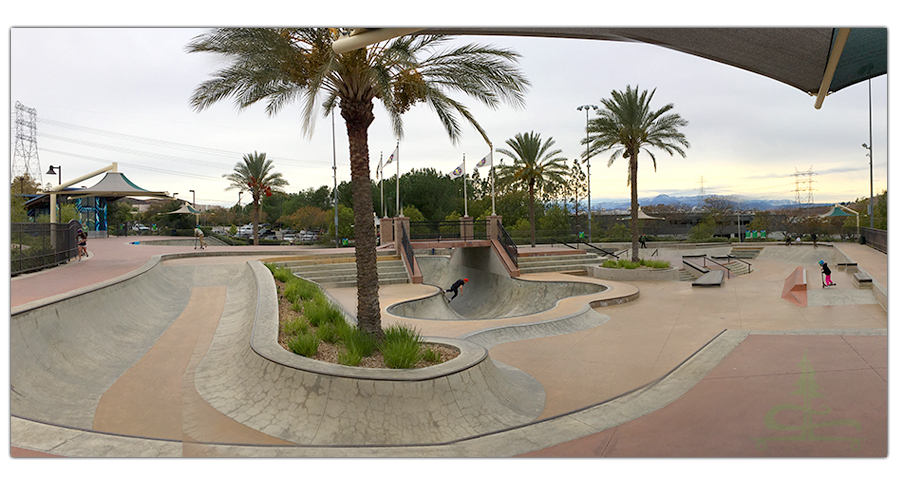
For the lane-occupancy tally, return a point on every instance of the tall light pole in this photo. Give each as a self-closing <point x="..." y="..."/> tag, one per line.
<point x="587" y="152"/>
<point x="194" y="206"/>
<point x="871" y="170"/>
<point x="53" y="205"/>
<point x="334" y="167"/>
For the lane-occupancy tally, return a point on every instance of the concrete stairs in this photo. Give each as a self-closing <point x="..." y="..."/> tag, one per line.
<point x="341" y="271"/>
<point x="570" y="264"/>
<point x="685" y="275"/>
<point x="737" y="267"/>
<point x="746" y="252"/>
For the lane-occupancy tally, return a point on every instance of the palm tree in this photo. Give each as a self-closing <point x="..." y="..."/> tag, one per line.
<point x="255" y="174"/>
<point x="626" y="125"/>
<point x="281" y="65"/>
<point x="534" y="166"/>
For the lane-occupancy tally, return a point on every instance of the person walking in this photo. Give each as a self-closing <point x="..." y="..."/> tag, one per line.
<point x="814" y="240"/>
<point x="643" y="241"/>
<point x="82" y="244"/>
<point x="456" y="288"/>
<point x="199" y="234"/>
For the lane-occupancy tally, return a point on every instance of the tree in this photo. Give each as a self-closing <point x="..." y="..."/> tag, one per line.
<point x="256" y="174"/>
<point x="282" y="65"/>
<point x="626" y="126"/>
<point x="535" y="166"/>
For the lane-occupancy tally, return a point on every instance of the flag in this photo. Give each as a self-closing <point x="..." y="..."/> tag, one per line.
<point x="483" y="161"/>
<point x="395" y="153"/>
<point x="458" y="171"/>
<point x="378" y="170"/>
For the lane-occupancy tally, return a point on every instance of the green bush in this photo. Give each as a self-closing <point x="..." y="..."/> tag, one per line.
<point x="305" y="344"/>
<point x="282" y="274"/>
<point x="627" y="264"/>
<point x="431" y="356"/>
<point x="319" y="312"/>
<point x="333" y="333"/>
<point x="295" y="326"/>
<point x="299" y="289"/>
<point x="357" y="342"/>
<point x="400" y="347"/>
<point x="347" y="357"/>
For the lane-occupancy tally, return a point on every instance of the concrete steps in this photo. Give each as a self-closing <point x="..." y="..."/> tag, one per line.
<point x="341" y="271"/>
<point x="737" y="267"/>
<point x="685" y="275"/>
<point x="570" y="264"/>
<point x="746" y="252"/>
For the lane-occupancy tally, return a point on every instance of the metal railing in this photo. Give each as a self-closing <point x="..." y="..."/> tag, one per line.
<point x="446" y="230"/>
<point x="39" y="245"/>
<point x="875" y="238"/>
<point x="408" y="252"/>
<point x="509" y="245"/>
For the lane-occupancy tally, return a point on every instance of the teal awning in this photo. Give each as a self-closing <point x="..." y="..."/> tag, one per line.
<point x="837" y="211"/>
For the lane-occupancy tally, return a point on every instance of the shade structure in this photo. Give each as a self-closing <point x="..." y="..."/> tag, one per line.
<point x="814" y="60"/>
<point x="837" y="211"/>
<point x="114" y="185"/>
<point x="643" y="216"/>
<point x="185" y="209"/>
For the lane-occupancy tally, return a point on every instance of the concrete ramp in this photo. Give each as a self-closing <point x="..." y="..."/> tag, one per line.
<point x="490" y="292"/>
<point x="801" y="254"/>
<point x="794" y="289"/>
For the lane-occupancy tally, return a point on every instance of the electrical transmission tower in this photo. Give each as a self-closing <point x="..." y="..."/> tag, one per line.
<point x="809" y="188"/>
<point x="702" y="190"/>
<point x="25" y="152"/>
<point x="797" y="189"/>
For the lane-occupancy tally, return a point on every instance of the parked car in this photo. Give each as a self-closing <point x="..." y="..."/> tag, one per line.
<point x="139" y="227"/>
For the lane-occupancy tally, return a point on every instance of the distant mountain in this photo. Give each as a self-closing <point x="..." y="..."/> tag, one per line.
<point x="690" y="201"/>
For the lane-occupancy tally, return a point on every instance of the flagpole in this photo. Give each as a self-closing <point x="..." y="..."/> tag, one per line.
<point x="397" y="212"/>
<point x="493" y="181"/>
<point x="465" y="196"/>
<point x="381" y="177"/>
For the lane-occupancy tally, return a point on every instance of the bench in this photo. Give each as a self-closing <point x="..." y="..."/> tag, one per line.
<point x="862" y="280"/>
<point x="849" y="267"/>
<point x="712" y="278"/>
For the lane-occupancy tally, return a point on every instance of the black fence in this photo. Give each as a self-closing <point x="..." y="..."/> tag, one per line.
<point x="36" y="246"/>
<point x="445" y="230"/>
<point x="875" y="238"/>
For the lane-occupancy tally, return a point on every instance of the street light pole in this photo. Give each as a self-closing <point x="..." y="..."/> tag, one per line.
<point x="871" y="174"/>
<point x="53" y="215"/>
<point x="587" y="152"/>
<point x="334" y="167"/>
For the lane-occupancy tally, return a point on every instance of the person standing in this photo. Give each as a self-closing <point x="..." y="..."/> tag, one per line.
<point x="456" y="288"/>
<point x="82" y="244"/>
<point x="814" y="240"/>
<point x="827" y="272"/>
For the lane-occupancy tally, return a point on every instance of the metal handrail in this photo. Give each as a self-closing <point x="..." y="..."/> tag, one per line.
<point x="509" y="245"/>
<point x="714" y="262"/>
<point x="407" y="249"/>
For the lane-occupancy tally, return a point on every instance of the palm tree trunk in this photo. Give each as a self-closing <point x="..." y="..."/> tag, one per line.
<point x="358" y="116"/>
<point x="531" y="208"/>
<point x="633" y="166"/>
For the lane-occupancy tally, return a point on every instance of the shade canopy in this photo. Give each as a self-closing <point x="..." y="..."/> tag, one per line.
<point x="838" y="211"/>
<point x="814" y="60"/>
<point x="185" y="209"/>
<point x="643" y="216"/>
<point x="114" y="185"/>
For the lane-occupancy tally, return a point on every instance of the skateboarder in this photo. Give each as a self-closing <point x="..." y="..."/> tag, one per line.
<point x="827" y="273"/>
<point x="199" y="234"/>
<point x="456" y="288"/>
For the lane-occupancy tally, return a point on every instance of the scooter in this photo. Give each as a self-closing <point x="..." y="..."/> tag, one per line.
<point x="823" y="281"/>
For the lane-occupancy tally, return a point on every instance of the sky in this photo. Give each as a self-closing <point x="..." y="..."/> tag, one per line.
<point x="121" y="94"/>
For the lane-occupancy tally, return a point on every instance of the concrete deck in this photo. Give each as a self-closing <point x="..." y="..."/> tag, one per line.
<point x="672" y="371"/>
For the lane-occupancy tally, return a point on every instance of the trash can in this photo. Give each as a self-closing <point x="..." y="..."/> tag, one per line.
<point x="174" y="232"/>
<point x="862" y="240"/>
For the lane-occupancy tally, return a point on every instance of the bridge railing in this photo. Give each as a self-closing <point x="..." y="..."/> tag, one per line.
<point x="446" y="230"/>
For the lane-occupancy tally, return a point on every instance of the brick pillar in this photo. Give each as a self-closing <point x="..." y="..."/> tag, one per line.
<point x="493" y="226"/>
<point x="400" y="222"/>
<point x="387" y="230"/>
<point x="467" y="228"/>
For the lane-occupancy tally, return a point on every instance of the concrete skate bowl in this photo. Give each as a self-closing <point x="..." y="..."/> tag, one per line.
<point x="490" y="292"/>
<point x="67" y="353"/>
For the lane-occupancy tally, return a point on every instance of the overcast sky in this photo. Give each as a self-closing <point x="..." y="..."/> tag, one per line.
<point x="106" y="95"/>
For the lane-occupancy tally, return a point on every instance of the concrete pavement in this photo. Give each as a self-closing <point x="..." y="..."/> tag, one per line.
<point x="628" y="373"/>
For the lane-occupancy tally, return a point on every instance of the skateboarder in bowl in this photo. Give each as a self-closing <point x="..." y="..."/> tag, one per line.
<point x="456" y="288"/>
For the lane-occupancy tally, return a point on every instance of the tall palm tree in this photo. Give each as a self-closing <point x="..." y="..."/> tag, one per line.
<point x="626" y="126"/>
<point x="281" y="65"/>
<point x="535" y="167"/>
<point x="255" y="174"/>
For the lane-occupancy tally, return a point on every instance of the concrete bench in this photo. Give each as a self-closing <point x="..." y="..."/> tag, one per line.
<point x="712" y="278"/>
<point x="862" y="280"/>
<point x="849" y="267"/>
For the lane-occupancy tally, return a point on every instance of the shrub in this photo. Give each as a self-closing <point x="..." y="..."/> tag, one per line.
<point x="357" y="342"/>
<point x="331" y="332"/>
<point x="431" y="356"/>
<point x="627" y="264"/>
<point x="656" y="264"/>
<point x="400" y="347"/>
<point x="295" y="326"/>
<point x="319" y="312"/>
<point x="299" y="289"/>
<point x="282" y="274"/>
<point x="305" y="344"/>
<point x="349" y="358"/>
